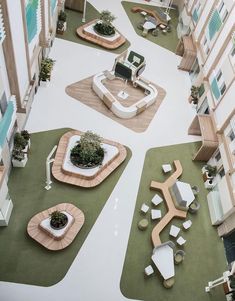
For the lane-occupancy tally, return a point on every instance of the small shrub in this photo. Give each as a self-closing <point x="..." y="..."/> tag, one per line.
<point x="25" y="134"/>
<point x="212" y="170"/>
<point x="58" y="219"/>
<point x="19" y="141"/>
<point x="46" y="67"/>
<point x="88" y="151"/>
<point x="62" y="16"/>
<point x="17" y="154"/>
<point x="104" y="25"/>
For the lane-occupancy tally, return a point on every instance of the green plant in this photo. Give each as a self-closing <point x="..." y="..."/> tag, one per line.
<point x="58" y="219"/>
<point x="106" y="17"/>
<point x="104" y="25"/>
<point x="18" y="154"/>
<point x="25" y="134"/>
<point x="212" y="170"/>
<point x="195" y="94"/>
<point x="60" y="25"/>
<point x="46" y="67"/>
<point x="88" y="151"/>
<point x="20" y="141"/>
<point x="62" y="16"/>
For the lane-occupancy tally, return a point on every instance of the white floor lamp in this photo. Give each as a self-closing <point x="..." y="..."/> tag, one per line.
<point x="48" y="171"/>
<point x="84" y="12"/>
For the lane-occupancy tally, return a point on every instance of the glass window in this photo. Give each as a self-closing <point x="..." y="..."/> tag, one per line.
<point x="222" y="88"/>
<point x="218" y="156"/>
<point x="231" y="135"/>
<point x="221" y="172"/>
<point x="219" y="75"/>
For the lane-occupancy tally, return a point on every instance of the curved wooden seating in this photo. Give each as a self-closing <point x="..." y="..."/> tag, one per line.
<point x="47" y="240"/>
<point x="152" y="13"/>
<point x="80" y="180"/>
<point x="172" y="210"/>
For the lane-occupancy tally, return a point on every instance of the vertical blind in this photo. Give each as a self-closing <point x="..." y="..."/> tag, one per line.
<point x="214" y="24"/>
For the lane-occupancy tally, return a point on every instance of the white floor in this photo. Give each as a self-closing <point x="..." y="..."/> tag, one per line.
<point x="95" y="273"/>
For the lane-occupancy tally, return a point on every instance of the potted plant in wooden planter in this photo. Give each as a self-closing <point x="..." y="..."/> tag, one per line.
<point x="58" y="220"/>
<point x="104" y="25"/>
<point x="45" y="71"/>
<point x="61" y="23"/>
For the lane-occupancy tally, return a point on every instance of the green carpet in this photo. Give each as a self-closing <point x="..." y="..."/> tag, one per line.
<point x="74" y="20"/>
<point x="23" y="260"/>
<point x="168" y="40"/>
<point x="205" y="258"/>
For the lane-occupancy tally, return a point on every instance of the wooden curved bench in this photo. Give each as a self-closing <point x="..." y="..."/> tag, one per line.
<point x="152" y="13"/>
<point x="172" y="210"/>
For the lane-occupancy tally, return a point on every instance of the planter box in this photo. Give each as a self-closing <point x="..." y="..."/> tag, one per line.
<point x="22" y="163"/>
<point x="44" y="84"/>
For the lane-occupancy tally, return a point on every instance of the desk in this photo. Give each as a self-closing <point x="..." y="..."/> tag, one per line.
<point x="163" y="259"/>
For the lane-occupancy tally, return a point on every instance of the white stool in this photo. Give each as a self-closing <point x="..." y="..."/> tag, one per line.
<point x="187" y="224"/>
<point x="166" y="168"/>
<point x="155" y="214"/>
<point x="181" y="241"/>
<point x="174" y="231"/>
<point x="144" y="208"/>
<point x="148" y="270"/>
<point x="156" y="200"/>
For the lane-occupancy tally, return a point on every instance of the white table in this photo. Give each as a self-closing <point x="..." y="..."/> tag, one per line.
<point x="147" y="26"/>
<point x="156" y="200"/>
<point x="185" y="193"/>
<point x="163" y="259"/>
<point x="174" y="231"/>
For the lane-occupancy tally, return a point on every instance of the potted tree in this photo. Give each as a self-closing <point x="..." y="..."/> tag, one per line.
<point x="61" y="23"/>
<point x="104" y="25"/>
<point x="88" y="152"/>
<point x="45" y="71"/>
<point x="25" y="134"/>
<point x="58" y="220"/>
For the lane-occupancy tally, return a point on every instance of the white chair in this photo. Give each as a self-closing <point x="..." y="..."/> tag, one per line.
<point x="156" y="200"/>
<point x="155" y="214"/>
<point x="144" y="208"/>
<point x="174" y="231"/>
<point x="181" y="241"/>
<point x="166" y="168"/>
<point x="148" y="270"/>
<point x="187" y="224"/>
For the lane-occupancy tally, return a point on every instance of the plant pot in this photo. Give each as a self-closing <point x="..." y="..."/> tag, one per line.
<point x="58" y="31"/>
<point x="22" y="163"/>
<point x="44" y="84"/>
<point x="60" y="226"/>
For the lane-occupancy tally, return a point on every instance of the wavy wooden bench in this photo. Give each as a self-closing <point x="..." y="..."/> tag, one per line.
<point x="172" y="210"/>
